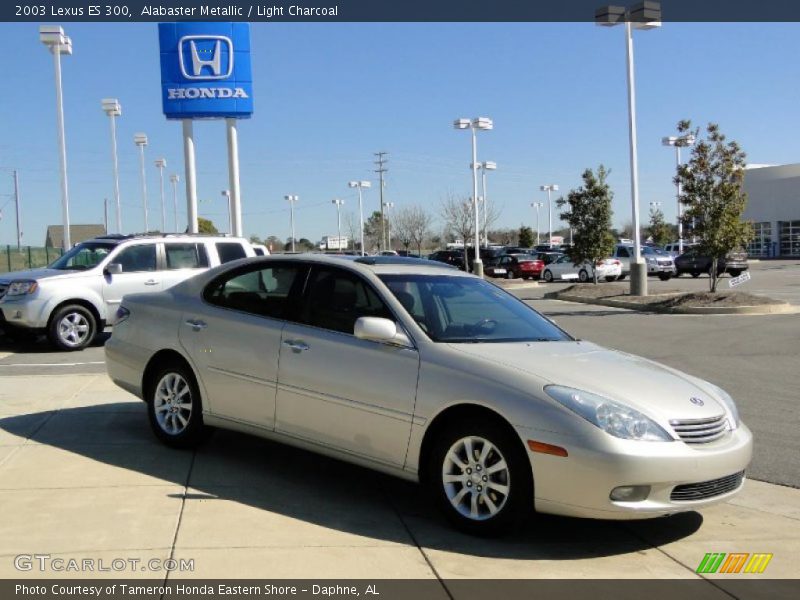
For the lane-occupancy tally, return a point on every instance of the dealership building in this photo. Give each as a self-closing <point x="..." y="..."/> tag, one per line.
<point x="773" y="206"/>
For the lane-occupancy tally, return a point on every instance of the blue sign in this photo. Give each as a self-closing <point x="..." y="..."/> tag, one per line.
<point x="205" y="70"/>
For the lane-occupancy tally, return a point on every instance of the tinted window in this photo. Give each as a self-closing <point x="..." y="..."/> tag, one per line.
<point x="622" y="252"/>
<point x="229" y="251"/>
<point x="263" y="292"/>
<point x="185" y="256"/>
<point x="336" y="299"/>
<point x="460" y="309"/>
<point x="258" y="251"/>
<point x="83" y="256"/>
<point x="135" y="259"/>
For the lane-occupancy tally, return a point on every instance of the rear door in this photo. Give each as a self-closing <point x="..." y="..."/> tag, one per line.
<point x="181" y="260"/>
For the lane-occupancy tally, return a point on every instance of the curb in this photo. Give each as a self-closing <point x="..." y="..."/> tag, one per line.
<point x="767" y="309"/>
<point x="518" y="286"/>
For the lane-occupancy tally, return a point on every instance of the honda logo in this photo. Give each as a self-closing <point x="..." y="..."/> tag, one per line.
<point x="205" y="57"/>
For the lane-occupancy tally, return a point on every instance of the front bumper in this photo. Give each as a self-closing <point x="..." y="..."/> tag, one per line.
<point x="580" y="484"/>
<point x="653" y="269"/>
<point x="23" y="312"/>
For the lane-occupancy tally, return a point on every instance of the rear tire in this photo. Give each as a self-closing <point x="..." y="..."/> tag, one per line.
<point x="548" y="276"/>
<point x="664" y="276"/>
<point x="509" y="275"/>
<point x="488" y="491"/>
<point x="621" y="277"/>
<point x="735" y="272"/>
<point x="611" y="278"/>
<point x="695" y="274"/>
<point x="583" y="276"/>
<point x="174" y="407"/>
<point x="72" y="327"/>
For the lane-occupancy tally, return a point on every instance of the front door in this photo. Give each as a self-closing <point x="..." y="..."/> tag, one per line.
<point x="335" y="389"/>
<point x="139" y="274"/>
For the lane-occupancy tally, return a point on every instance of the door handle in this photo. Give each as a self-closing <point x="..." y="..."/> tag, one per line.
<point x="151" y="282"/>
<point x="295" y="345"/>
<point x="196" y="324"/>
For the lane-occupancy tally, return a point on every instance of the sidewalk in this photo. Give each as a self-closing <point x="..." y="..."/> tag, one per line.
<point x="81" y="476"/>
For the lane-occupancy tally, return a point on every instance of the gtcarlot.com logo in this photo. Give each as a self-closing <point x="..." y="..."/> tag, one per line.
<point x="59" y="564"/>
<point x="734" y="562"/>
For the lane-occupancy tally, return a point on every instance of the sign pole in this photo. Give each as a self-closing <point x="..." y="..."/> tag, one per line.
<point x="233" y="176"/>
<point x="191" y="180"/>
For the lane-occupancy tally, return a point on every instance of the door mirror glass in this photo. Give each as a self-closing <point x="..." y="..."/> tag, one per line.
<point x="113" y="268"/>
<point x="376" y="329"/>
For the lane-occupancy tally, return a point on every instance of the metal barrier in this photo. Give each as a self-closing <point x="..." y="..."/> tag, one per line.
<point x="26" y="257"/>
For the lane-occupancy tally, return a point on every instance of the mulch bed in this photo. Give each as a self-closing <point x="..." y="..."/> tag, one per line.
<point x="667" y="299"/>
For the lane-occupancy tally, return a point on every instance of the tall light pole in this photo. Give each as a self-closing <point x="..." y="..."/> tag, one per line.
<point x="338" y="204"/>
<point x="389" y="206"/>
<point x="54" y="38"/>
<point x="160" y="164"/>
<point x="227" y="194"/>
<point x="488" y="165"/>
<point x="360" y="185"/>
<point x="645" y="15"/>
<point x="483" y="124"/>
<point x="291" y="199"/>
<point x="140" y="140"/>
<point x="679" y="142"/>
<point x="113" y="109"/>
<point x="174" y="179"/>
<point x="549" y="188"/>
<point x="537" y="206"/>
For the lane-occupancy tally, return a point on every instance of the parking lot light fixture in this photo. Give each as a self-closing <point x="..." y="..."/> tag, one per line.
<point x="488" y="165"/>
<point x="140" y="140"/>
<point x="360" y="185"/>
<point x="291" y="199"/>
<point x="112" y="108"/>
<point x="161" y="163"/>
<point x="679" y="142"/>
<point x="537" y="206"/>
<point x="338" y="204"/>
<point x="549" y="188"/>
<point x="174" y="179"/>
<point x="474" y="125"/>
<point x="59" y="43"/>
<point x="645" y="15"/>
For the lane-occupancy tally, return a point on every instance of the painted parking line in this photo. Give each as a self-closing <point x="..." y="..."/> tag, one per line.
<point x="75" y="364"/>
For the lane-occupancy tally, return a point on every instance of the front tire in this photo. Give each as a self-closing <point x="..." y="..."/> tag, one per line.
<point x="72" y="327"/>
<point x="621" y="277"/>
<point x="664" y="276"/>
<point x="583" y="276"/>
<point x="480" y="477"/>
<point x="509" y="275"/>
<point x="611" y="278"/>
<point x="548" y="276"/>
<point x="735" y="272"/>
<point x="174" y="407"/>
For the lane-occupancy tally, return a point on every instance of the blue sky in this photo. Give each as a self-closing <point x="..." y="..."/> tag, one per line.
<point x="329" y="95"/>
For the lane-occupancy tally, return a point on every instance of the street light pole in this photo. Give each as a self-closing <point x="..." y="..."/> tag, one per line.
<point x="360" y="185"/>
<point x="549" y="188"/>
<point x="112" y="108"/>
<point x="291" y="199"/>
<point x="489" y="165"/>
<point x="227" y="194"/>
<point x="679" y="142"/>
<point x="59" y="43"/>
<point x="140" y="140"/>
<point x="160" y="164"/>
<point x="537" y="206"/>
<point x="174" y="179"/>
<point x="389" y="206"/>
<point x="338" y="204"/>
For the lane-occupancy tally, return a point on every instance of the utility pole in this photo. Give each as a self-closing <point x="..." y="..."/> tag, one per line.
<point x="17" y="210"/>
<point x="380" y="171"/>
<point x="105" y="213"/>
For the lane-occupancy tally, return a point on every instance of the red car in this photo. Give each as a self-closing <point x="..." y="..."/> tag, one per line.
<point x="515" y="266"/>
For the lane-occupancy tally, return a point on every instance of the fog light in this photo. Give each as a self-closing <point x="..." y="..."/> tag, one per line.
<point x="630" y="493"/>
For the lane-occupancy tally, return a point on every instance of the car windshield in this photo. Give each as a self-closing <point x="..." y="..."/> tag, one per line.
<point x="83" y="256"/>
<point x="466" y="310"/>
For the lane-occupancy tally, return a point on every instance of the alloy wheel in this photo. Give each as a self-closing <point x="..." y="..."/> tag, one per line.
<point x="172" y="403"/>
<point x="476" y="478"/>
<point x="73" y="329"/>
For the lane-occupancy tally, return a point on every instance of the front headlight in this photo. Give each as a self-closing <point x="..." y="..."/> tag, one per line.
<point x="20" y="288"/>
<point x="730" y="405"/>
<point x="652" y="261"/>
<point x="612" y="417"/>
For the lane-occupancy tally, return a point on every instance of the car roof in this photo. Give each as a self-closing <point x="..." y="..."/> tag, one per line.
<point x="115" y="238"/>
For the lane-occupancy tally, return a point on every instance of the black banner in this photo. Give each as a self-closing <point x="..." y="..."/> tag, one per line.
<point x="384" y="10"/>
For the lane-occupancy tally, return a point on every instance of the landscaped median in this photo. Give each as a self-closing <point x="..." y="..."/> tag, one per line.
<point x="702" y="303"/>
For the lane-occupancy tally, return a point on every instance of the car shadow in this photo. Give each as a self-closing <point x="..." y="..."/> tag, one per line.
<point x="306" y="486"/>
<point x="40" y="345"/>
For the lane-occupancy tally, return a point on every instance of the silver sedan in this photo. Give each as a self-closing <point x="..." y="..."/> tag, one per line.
<point x="433" y="375"/>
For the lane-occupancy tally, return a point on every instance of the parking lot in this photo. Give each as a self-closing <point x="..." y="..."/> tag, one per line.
<point x="81" y="475"/>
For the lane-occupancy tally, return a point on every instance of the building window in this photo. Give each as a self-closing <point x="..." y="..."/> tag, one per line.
<point x="761" y="243"/>
<point x="789" y="238"/>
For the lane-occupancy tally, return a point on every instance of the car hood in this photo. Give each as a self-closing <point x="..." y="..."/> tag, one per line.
<point x="654" y="389"/>
<point x="37" y="274"/>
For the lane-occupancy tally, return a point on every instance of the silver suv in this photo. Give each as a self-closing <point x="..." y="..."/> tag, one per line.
<point x="77" y="296"/>
<point x="658" y="261"/>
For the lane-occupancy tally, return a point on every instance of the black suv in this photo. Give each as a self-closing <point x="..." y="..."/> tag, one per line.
<point x="450" y="257"/>
<point x="694" y="263"/>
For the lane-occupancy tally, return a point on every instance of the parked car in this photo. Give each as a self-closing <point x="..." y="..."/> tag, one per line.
<point x="694" y="263"/>
<point x="451" y="257"/>
<point x="77" y="296"/>
<point x="658" y="261"/>
<point x="516" y="266"/>
<point x="548" y="257"/>
<point x="432" y="375"/>
<point x="674" y="249"/>
<point x="563" y="268"/>
<point x="407" y="254"/>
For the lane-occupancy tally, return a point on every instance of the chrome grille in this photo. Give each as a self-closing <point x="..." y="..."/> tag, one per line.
<point x="700" y="431"/>
<point x="707" y="489"/>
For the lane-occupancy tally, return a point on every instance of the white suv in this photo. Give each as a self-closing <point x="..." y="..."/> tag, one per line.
<point x="77" y="296"/>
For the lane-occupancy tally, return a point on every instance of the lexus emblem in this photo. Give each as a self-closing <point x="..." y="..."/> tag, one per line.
<point x="696" y="401"/>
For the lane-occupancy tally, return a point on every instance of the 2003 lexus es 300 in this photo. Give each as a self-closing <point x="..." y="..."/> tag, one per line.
<point x="431" y="374"/>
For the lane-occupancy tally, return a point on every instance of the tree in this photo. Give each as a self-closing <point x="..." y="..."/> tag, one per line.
<point x="589" y="215"/>
<point x="402" y="224"/>
<point x="351" y="224"/>
<point x="373" y="231"/>
<point x="421" y="221"/>
<point x="254" y="239"/>
<point x="525" y="236"/>
<point x="459" y="218"/>
<point x="712" y="195"/>
<point x="205" y="226"/>
<point x="273" y="242"/>
<point x="658" y="230"/>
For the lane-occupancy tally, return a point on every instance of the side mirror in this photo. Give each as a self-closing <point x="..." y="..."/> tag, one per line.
<point x="378" y="329"/>
<point x="113" y="269"/>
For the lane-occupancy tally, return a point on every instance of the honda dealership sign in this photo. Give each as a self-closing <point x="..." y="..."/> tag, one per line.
<point x="205" y="70"/>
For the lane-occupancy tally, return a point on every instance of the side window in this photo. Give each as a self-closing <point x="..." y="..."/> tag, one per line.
<point x="185" y="256"/>
<point x="229" y="251"/>
<point x="336" y="299"/>
<point x="622" y="252"/>
<point x="136" y="259"/>
<point x="263" y="292"/>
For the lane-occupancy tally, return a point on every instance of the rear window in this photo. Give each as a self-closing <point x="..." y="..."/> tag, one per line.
<point x="186" y="256"/>
<point x="229" y="251"/>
